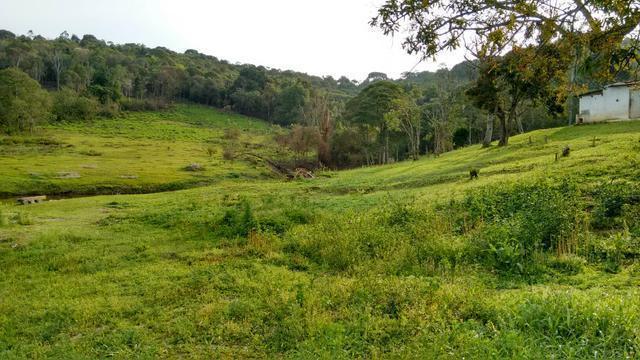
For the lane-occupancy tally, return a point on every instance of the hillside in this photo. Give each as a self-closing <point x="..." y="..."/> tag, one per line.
<point x="139" y="153"/>
<point x="404" y="260"/>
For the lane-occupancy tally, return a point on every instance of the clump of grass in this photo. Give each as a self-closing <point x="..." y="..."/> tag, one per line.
<point x="231" y="133"/>
<point x="237" y="222"/>
<point x="568" y="264"/>
<point x="4" y="218"/>
<point x="229" y="153"/>
<point x="562" y="320"/>
<point x="24" y="218"/>
<point x="90" y="152"/>
<point x="613" y="202"/>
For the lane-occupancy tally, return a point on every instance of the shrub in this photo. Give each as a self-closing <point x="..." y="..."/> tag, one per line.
<point x="568" y="264"/>
<point x="500" y="247"/>
<point x="228" y="153"/>
<point x="631" y="217"/>
<point x="610" y="201"/>
<point x="238" y="221"/>
<point x="397" y="213"/>
<point x="69" y="106"/>
<point x="110" y="109"/>
<point x="545" y="212"/>
<point x="231" y="134"/>
<point x="613" y="250"/>
<point x="605" y="327"/>
<point x="344" y="243"/>
<point x="460" y="137"/>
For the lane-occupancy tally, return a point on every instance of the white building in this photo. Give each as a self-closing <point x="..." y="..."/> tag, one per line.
<point x="619" y="101"/>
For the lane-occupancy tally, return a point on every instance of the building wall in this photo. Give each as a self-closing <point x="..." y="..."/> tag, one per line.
<point x="613" y="104"/>
<point x="634" y="107"/>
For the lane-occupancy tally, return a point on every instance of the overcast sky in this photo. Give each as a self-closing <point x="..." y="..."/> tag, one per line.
<point x="327" y="37"/>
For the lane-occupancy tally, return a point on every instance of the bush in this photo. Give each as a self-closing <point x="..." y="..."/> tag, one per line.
<point x="110" y="109"/>
<point x="499" y="247"/>
<point x="605" y="327"/>
<point x="350" y="241"/>
<point x="239" y="221"/>
<point x="545" y="213"/>
<point x="69" y="106"/>
<point x="610" y="202"/>
<point x="228" y="153"/>
<point x="614" y="250"/>
<point x="568" y="264"/>
<point x="460" y="137"/>
<point x="347" y="148"/>
<point x="231" y="134"/>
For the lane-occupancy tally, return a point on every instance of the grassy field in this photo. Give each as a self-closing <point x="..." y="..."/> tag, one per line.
<point x="140" y="153"/>
<point x="537" y="258"/>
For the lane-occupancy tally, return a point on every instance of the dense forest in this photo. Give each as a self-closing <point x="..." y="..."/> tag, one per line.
<point x="342" y="123"/>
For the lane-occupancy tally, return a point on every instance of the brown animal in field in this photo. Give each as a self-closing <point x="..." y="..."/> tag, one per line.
<point x="473" y="174"/>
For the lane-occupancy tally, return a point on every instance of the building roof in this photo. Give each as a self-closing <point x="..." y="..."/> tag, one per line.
<point x="618" y="84"/>
<point x="591" y="92"/>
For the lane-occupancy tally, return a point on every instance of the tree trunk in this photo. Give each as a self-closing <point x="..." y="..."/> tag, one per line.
<point x="488" y="134"/>
<point x="386" y="147"/>
<point x="519" y="123"/>
<point x="416" y="146"/>
<point x="572" y="80"/>
<point x="504" y="130"/>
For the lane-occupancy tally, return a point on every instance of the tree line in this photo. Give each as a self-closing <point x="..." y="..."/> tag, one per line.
<point x="340" y="123"/>
<point x="134" y="76"/>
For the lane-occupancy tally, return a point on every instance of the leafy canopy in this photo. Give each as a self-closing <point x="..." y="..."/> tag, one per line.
<point x="23" y="103"/>
<point x="371" y="105"/>
<point x="437" y="25"/>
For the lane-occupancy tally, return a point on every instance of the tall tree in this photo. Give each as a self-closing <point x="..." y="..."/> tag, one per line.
<point x="289" y="104"/>
<point x="405" y="116"/>
<point x="443" y="24"/>
<point x="593" y="28"/>
<point x="58" y="61"/>
<point x="524" y="75"/>
<point x="23" y="103"/>
<point x="368" y="110"/>
<point x="319" y="115"/>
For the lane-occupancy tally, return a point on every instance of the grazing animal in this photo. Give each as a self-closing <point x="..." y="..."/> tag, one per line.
<point x="566" y="151"/>
<point x="473" y="174"/>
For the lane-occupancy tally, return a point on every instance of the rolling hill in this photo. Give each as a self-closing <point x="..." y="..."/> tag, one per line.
<point x="140" y="153"/>
<point x="538" y="258"/>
